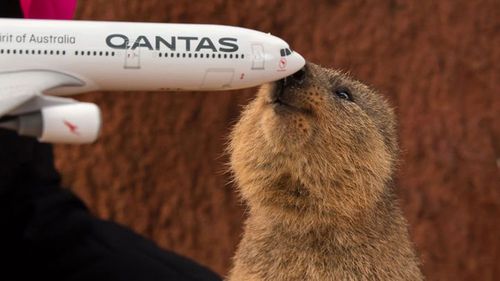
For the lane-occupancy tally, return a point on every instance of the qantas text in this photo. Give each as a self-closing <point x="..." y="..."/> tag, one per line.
<point x="190" y="43"/>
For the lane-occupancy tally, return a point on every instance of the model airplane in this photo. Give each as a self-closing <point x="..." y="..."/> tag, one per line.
<point x="43" y="59"/>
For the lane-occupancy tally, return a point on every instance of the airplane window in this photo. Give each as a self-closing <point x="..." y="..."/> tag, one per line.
<point x="236" y="56"/>
<point x="213" y="56"/>
<point x="113" y="54"/>
<point x="195" y="55"/>
<point x="282" y="52"/>
<point x="189" y="55"/>
<point x="178" y="54"/>
<point x="230" y="56"/>
<point x="166" y="55"/>
<point x="242" y="56"/>
<point x="219" y="56"/>
<point x="100" y="53"/>
<point x="184" y="55"/>
<point x="172" y="55"/>
<point x="159" y="54"/>
<point x="76" y="53"/>
<point x="288" y="52"/>
<point x="1" y="51"/>
<point x="64" y="52"/>
<point x="14" y="51"/>
<point x="201" y="55"/>
<point x="225" y="56"/>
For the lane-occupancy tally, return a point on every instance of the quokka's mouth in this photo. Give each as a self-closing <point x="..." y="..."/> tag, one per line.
<point x="286" y="99"/>
<point x="279" y="88"/>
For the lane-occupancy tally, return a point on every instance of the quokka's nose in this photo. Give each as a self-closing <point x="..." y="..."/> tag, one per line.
<point x="295" y="79"/>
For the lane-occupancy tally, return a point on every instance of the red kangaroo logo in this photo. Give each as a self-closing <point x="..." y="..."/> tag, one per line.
<point x="72" y="127"/>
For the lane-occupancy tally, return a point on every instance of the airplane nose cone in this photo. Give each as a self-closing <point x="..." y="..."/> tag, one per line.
<point x="296" y="62"/>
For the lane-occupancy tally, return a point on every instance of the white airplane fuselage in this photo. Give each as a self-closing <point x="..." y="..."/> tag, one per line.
<point x="39" y="57"/>
<point x="145" y="56"/>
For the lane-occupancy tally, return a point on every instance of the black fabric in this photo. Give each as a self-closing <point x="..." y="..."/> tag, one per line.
<point x="10" y="9"/>
<point x="47" y="232"/>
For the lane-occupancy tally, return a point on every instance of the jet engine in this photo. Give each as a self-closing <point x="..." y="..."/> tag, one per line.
<point x="68" y="123"/>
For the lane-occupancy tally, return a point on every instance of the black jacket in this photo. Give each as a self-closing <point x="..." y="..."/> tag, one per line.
<point x="47" y="232"/>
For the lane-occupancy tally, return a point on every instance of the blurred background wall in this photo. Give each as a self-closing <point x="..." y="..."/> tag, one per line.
<point x="159" y="166"/>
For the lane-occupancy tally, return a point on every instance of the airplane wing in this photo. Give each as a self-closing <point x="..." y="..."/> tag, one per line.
<point x="48" y="118"/>
<point x="19" y="87"/>
<point x="10" y="100"/>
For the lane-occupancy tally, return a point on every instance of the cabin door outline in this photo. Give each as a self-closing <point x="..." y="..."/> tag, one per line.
<point x="217" y="78"/>
<point x="257" y="56"/>
<point x="132" y="57"/>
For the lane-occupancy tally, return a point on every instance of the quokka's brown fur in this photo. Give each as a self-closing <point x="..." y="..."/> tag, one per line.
<point x="315" y="170"/>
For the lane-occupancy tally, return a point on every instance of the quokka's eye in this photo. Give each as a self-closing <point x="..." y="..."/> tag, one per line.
<point x="343" y="93"/>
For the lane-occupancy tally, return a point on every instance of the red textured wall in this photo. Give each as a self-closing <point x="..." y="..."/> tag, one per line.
<point x="159" y="164"/>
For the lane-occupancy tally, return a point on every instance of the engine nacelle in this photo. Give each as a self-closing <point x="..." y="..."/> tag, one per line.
<point x="65" y="123"/>
<point x="70" y="123"/>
